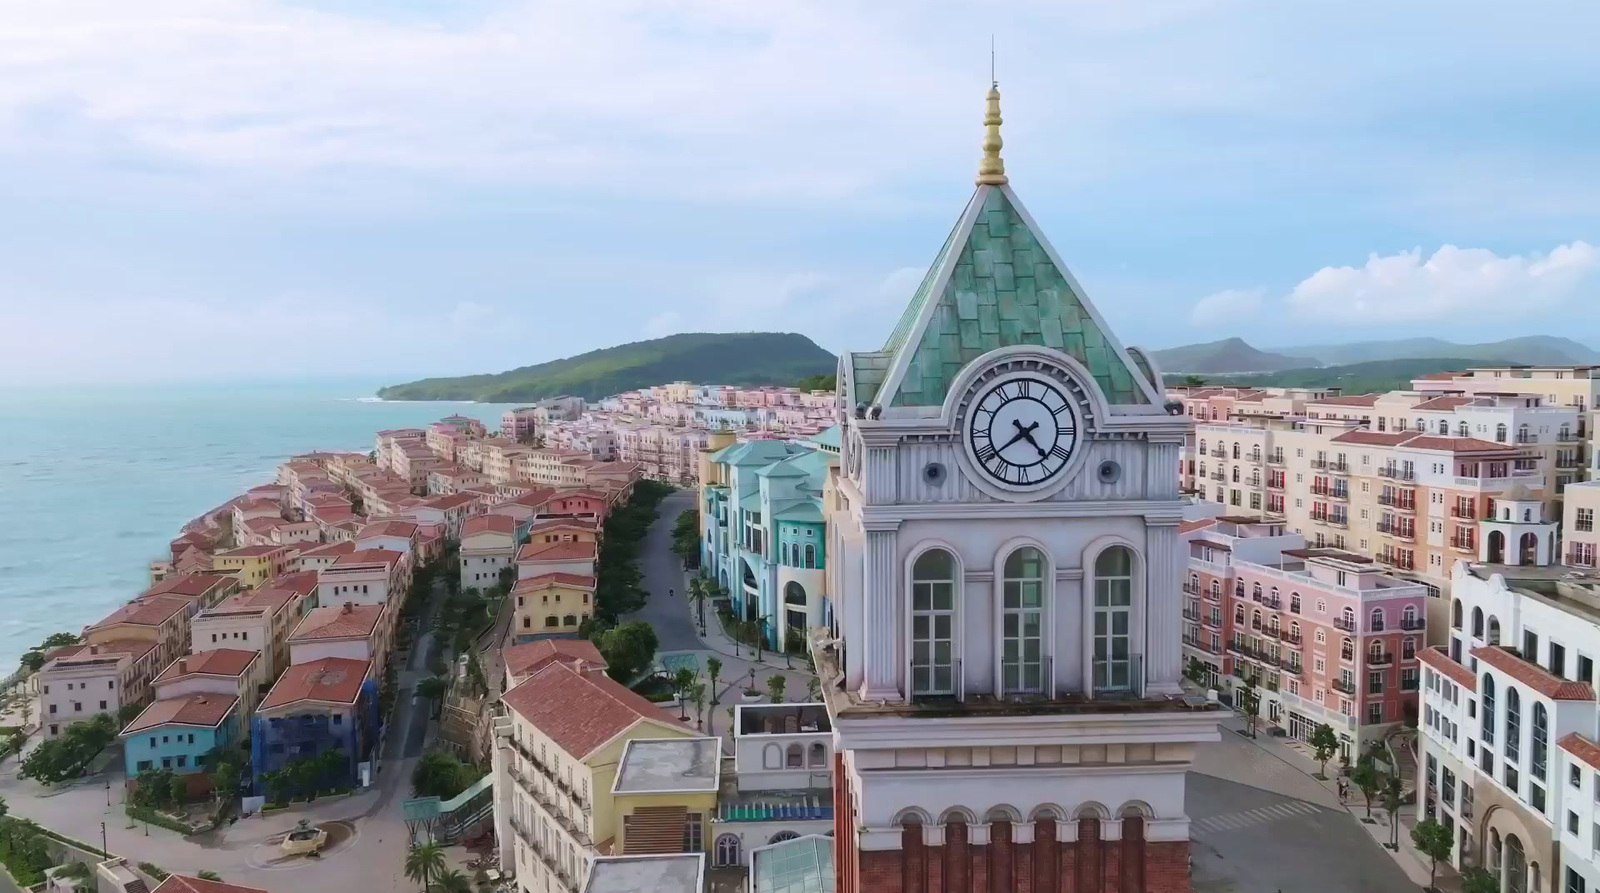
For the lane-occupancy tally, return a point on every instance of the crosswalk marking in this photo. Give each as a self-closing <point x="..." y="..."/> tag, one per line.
<point x="1233" y="821"/>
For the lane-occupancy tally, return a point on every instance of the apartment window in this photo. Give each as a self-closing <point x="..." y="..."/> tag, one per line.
<point x="1375" y="712"/>
<point x="1375" y="682"/>
<point x="1530" y="645"/>
<point x="1539" y="741"/>
<point x="1022" y="646"/>
<point x="1487" y="714"/>
<point x="1558" y="659"/>
<point x="1113" y="612"/>
<point x="933" y="623"/>
<point x="1575" y="777"/>
<point x="1575" y="881"/>
<point x="1513" y="724"/>
<point x="1585" y="669"/>
<point x="1584" y="520"/>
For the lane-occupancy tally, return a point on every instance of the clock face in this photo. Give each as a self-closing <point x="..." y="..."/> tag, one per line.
<point x="1022" y="431"/>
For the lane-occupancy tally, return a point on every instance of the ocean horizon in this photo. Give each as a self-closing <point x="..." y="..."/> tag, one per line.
<point x="94" y="481"/>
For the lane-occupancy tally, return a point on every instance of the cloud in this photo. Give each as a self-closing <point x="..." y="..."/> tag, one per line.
<point x="1408" y="287"/>
<point x="1225" y="308"/>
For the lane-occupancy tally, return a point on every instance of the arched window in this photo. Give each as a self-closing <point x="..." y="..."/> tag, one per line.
<point x="1236" y="468"/>
<point x="1376" y="619"/>
<point x="1565" y="433"/>
<point x="1522" y="434"/>
<point x="1477" y="623"/>
<point x="1375" y="650"/>
<point x="1455" y="614"/>
<point x="1255" y="590"/>
<point x="1202" y="444"/>
<point x="781" y="836"/>
<point x="933" y="593"/>
<point x="728" y="850"/>
<point x="1348" y="618"/>
<point x="1500" y="433"/>
<point x="1238" y="614"/>
<point x="1113" y="619"/>
<point x="794" y="594"/>
<point x="1444" y="428"/>
<point x="1216" y="590"/>
<point x="1496" y="853"/>
<point x="1238" y="590"/>
<point x="1236" y="455"/>
<point x="1462" y="430"/>
<point x="772" y="757"/>
<point x="1194" y="583"/>
<point x="794" y="757"/>
<point x="1408" y="617"/>
<point x="1487" y="713"/>
<point x="1347" y="649"/>
<point x="1513" y="724"/>
<point x="1516" y="866"/>
<point x="1089" y="858"/>
<point x="1422" y="425"/>
<point x="1022" y="622"/>
<point x="1255" y="619"/>
<point x="1494" y="630"/>
<point x="1133" y="853"/>
<point x="818" y="755"/>
<point x="1539" y="740"/>
<point x="1294" y="603"/>
<point x="1294" y="632"/>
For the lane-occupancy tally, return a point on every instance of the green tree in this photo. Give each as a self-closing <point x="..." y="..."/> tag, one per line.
<point x="208" y="876"/>
<point x="1250" y="703"/>
<point x="224" y="781"/>
<point x="1196" y="671"/>
<point x="629" y="650"/>
<point x="775" y="686"/>
<point x="1366" y="776"/>
<point x="69" y="754"/>
<point x="686" y="537"/>
<point x="433" y="689"/>
<point x="813" y="688"/>
<point x="697" y="600"/>
<point x="829" y="382"/>
<point x="713" y="669"/>
<point x="1193" y="381"/>
<point x="451" y="881"/>
<point x="58" y="640"/>
<point x="1324" y="743"/>
<point x="1390" y="801"/>
<point x="1432" y="840"/>
<point x="1477" y="879"/>
<point x="178" y="790"/>
<point x="424" y="862"/>
<point x="682" y="679"/>
<point x="441" y="775"/>
<point x="697" y="695"/>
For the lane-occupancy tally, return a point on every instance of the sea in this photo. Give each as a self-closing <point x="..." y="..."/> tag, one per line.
<point x="95" y="481"/>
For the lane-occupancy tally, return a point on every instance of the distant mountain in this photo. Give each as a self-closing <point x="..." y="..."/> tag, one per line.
<point x="738" y="358"/>
<point x="1229" y="355"/>
<point x="1531" y="350"/>
<point x="1354" y="378"/>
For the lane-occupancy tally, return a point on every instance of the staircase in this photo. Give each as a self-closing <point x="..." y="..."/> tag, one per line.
<point x="1399" y="743"/>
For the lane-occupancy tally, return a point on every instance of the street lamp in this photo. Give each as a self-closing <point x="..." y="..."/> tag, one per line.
<point x="108" y="791"/>
<point x="104" y="850"/>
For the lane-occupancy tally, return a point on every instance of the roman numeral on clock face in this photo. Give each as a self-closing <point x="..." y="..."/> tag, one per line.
<point x="1059" y="452"/>
<point x="986" y="453"/>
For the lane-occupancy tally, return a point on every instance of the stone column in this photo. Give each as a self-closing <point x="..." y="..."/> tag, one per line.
<point x="1163" y="653"/>
<point x="882" y="647"/>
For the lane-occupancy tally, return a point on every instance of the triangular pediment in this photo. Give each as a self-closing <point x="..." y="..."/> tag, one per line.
<point x="997" y="283"/>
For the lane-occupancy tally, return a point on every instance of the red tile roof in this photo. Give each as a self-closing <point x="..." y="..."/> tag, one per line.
<point x="255" y="601"/>
<point x="1188" y="526"/>
<point x="329" y="549"/>
<point x="489" y="524"/>
<point x="1582" y="748"/>
<point x="579" y="711"/>
<point x="564" y="523"/>
<point x="1443" y="403"/>
<point x="1532" y="675"/>
<point x="389" y="528"/>
<point x="196" y="584"/>
<point x="339" y="622"/>
<point x="1373" y="438"/>
<point x="249" y="551"/>
<point x="556" y="551"/>
<point x="529" y="657"/>
<point x="454" y="500"/>
<point x="1437" y="658"/>
<point x="178" y="883"/>
<point x="585" y="581"/>
<point x="303" y="582"/>
<point x="1456" y="444"/>
<point x="1352" y="400"/>
<point x="134" y="648"/>
<point x="152" y="611"/>
<point x="334" y="679"/>
<point x="216" y="662"/>
<point x="367" y="556"/>
<point x="206" y="709"/>
<point x="534" y="498"/>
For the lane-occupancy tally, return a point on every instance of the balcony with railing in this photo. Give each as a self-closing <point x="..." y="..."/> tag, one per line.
<point x="1464" y="512"/>
<point x="1525" y="437"/>
<point x="1272" y="632"/>
<point x="1567" y="437"/>
<point x="1275" y="457"/>
<point x="1348" y="624"/>
<point x="1405" y="501"/>
<point x="1348" y="686"/>
<point x="1218" y="453"/>
<point x="1191" y="588"/>
<point x="1320" y="489"/>
<point x="1377" y="659"/>
<point x="1319" y="463"/>
<point x="1581" y="558"/>
<point x="1254" y="457"/>
<point x="1568" y="462"/>
<point x="1397" y="560"/>
<point x="1412" y="624"/>
<point x="1407" y="532"/>
<point x="1463" y="543"/>
<point x="1275" y="482"/>
<point x="1218" y="476"/>
<point x="569" y="800"/>
<point x="1275" y="602"/>
<point x="1214" y="621"/>
<point x="1397" y="472"/>
<point x="1191" y="614"/>
<point x="1290" y="638"/>
<point x="1339" y="466"/>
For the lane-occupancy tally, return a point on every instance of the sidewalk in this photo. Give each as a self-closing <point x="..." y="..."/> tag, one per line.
<point x="1298" y="755"/>
<point x="737" y="663"/>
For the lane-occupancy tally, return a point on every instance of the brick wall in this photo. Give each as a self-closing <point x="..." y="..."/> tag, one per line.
<point x="1131" y="865"/>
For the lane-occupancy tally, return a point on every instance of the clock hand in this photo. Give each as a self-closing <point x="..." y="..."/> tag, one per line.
<point x="1019" y="436"/>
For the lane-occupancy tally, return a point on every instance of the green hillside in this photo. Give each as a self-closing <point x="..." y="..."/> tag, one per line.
<point x="737" y="358"/>
<point x="1228" y="355"/>
<point x="1354" y="378"/>
<point x="1532" y="349"/>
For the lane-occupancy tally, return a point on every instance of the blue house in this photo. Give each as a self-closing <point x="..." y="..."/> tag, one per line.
<point x="323" y="705"/>
<point x="763" y="532"/>
<point x="178" y="733"/>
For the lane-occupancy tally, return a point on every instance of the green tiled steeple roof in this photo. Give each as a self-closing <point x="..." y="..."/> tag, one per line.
<point x="996" y="285"/>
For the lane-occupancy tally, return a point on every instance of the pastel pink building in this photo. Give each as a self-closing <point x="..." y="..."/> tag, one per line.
<point x="1326" y="635"/>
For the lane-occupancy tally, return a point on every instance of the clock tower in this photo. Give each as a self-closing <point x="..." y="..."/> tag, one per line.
<point x="1004" y="562"/>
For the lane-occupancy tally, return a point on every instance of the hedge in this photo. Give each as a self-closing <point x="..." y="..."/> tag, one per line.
<point x="150" y="816"/>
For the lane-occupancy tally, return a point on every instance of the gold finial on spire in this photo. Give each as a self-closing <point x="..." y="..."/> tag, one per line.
<point x="992" y="170"/>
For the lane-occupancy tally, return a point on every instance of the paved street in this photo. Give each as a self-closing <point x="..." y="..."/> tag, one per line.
<point x="662" y="570"/>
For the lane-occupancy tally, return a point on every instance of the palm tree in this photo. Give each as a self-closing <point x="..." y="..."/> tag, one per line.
<point x="424" y="862"/>
<point x="713" y="669"/>
<point x="451" y="881"/>
<point x="697" y="598"/>
<point x="697" y="694"/>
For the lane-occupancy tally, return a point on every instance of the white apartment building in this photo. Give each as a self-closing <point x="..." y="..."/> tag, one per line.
<point x="1508" y="755"/>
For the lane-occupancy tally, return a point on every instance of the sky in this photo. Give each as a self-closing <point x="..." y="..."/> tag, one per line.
<point x="253" y="189"/>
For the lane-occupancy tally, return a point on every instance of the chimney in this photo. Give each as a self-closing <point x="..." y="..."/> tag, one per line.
<point x="183" y="665"/>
